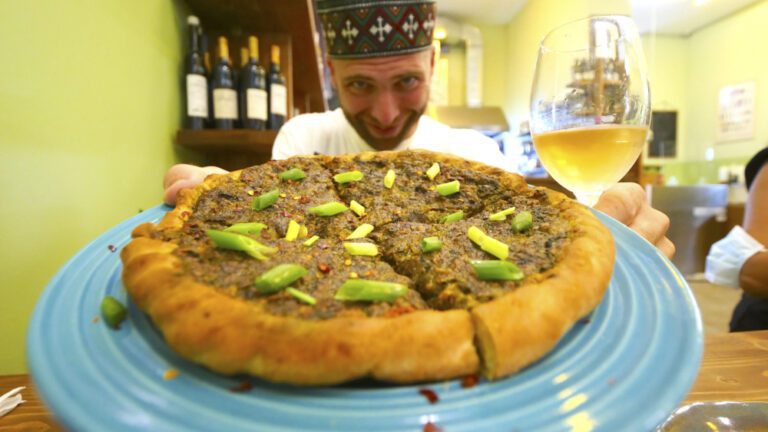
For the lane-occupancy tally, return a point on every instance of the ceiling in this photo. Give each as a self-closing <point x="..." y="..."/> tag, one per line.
<point x="676" y="17"/>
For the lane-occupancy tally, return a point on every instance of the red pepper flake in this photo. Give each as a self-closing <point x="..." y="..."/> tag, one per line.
<point x="286" y="214"/>
<point x="469" y="381"/>
<point x="430" y="395"/>
<point x="243" y="386"/>
<point x="185" y="214"/>
<point x="304" y="199"/>
<point x="399" y="310"/>
<point x="112" y="248"/>
<point x="325" y="268"/>
<point x="265" y="234"/>
<point x="431" y="427"/>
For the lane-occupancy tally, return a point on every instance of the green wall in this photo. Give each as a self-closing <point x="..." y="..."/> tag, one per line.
<point x="524" y="33"/>
<point x="692" y="72"/>
<point x="89" y="103"/>
<point x="686" y="74"/>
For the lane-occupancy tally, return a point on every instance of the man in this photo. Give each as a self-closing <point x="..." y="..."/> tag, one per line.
<point x="381" y="61"/>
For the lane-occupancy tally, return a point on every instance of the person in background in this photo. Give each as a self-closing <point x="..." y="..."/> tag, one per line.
<point x="381" y="66"/>
<point x="741" y="258"/>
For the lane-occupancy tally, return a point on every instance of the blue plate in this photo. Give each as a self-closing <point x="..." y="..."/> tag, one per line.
<point x="625" y="367"/>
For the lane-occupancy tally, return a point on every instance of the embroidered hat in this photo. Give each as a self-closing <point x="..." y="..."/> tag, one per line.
<point x="374" y="28"/>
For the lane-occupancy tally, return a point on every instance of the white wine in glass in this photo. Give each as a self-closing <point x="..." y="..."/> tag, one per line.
<point x="590" y="103"/>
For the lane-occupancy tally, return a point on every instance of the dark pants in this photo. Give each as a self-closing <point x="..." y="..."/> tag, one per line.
<point x="751" y="313"/>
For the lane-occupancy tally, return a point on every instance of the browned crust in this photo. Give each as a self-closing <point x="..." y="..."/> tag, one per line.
<point x="522" y="326"/>
<point x="231" y="335"/>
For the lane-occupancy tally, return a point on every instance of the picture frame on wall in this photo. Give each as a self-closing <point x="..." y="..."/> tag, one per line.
<point x="735" y="112"/>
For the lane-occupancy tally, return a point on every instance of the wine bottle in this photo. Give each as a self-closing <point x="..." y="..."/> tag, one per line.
<point x="196" y="82"/>
<point x="278" y="96"/>
<point x="224" y="93"/>
<point x="253" y="89"/>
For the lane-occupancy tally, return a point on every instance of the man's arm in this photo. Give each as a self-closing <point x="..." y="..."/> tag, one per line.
<point x="753" y="276"/>
<point x="628" y="203"/>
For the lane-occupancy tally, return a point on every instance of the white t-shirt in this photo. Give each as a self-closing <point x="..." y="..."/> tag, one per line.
<point x="330" y="133"/>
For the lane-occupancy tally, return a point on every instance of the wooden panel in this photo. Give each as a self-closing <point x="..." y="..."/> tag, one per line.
<point x="735" y="368"/>
<point x="293" y="17"/>
<point x="229" y="149"/>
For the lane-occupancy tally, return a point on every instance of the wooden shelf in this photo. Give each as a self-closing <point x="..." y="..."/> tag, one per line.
<point x="289" y="24"/>
<point x="229" y="149"/>
<point x="295" y="18"/>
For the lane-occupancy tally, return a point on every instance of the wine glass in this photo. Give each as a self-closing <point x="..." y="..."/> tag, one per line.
<point x="590" y="103"/>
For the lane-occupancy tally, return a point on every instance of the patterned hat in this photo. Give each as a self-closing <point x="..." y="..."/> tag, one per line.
<point x="375" y="28"/>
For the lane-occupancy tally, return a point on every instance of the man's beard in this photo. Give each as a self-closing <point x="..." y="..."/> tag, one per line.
<point x="358" y="122"/>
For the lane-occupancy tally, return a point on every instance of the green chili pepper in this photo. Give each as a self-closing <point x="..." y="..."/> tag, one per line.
<point x="449" y="188"/>
<point x="453" y="217"/>
<point x="433" y="171"/>
<point x="370" y="290"/>
<point x="502" y="215"/>
<point x="292" y="174"/>
<point x="522" y="221"/>
<point x="349" y="176"/>
<point x="253" y="228"/>
<point x="431" y="244"/>
<point x="278" y="277"/>
<point x="328" y="209"/>
<point x="357" y="208"/>
<point x="360" y="232"/>
<point x="497" y="270"/>
<point x="292" y="232"/>
<point x="310" y="241"/>
<point x="487" y="243"/>
<point x="113" y="311"/>
<point x="265" y="200"/>
<point x="306" y="298"/>
<point x="365" y="249"/>
<point x="389" y="179"/>
<point x="233" y="241"/>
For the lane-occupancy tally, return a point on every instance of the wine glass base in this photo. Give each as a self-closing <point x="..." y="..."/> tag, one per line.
<point x="588" y="199"/>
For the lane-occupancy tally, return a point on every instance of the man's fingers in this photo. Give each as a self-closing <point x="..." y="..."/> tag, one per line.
<point x="184" y="176"/>
<point x="651" y="224"/>
<point x="666" y="247"/>
<point x="622" y="202"/>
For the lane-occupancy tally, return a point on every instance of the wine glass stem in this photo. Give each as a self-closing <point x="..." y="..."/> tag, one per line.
<point x="589" y="199"/>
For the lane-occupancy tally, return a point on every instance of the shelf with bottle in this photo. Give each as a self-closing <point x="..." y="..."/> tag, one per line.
<point x="289" y="25"/>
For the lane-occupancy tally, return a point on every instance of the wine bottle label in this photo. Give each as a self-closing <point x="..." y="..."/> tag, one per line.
<point x="225" y="104"/>
<point x="257" y="104"/>
<point x="197" y="96"/>
<point x="278" y="97"/>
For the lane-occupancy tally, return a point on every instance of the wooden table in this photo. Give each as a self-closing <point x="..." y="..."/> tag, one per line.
<point x="734" y="368"/>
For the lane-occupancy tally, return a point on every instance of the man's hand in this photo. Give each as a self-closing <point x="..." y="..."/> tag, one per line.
<point x="627" y="203"/>
<point x="184" y="176"/>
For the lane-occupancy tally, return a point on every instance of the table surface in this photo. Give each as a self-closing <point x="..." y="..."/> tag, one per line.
<point x="734" y="368"/>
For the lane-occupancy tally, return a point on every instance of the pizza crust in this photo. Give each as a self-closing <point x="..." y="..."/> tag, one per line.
<point x="522" y="326"/>
<point x="231" y="335"/>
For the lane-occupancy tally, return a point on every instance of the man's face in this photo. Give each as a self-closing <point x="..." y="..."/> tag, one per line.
<point x="384" y="97"/>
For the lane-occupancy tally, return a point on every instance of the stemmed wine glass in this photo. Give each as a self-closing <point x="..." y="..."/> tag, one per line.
<point x="590" y="103"/>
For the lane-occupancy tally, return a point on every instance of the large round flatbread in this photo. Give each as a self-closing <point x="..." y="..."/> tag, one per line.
<point x="449" y="324"/>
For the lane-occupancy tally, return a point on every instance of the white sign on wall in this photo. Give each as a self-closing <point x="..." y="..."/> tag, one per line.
<point x="735" y="114"/>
